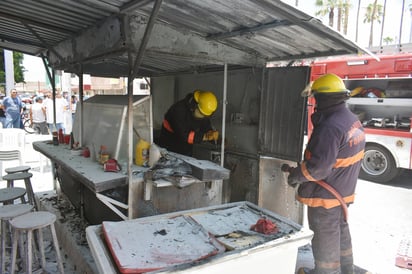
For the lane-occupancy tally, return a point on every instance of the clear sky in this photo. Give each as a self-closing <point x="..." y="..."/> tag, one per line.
<point x="34" y="69"/>
<point x="36" y="72"/>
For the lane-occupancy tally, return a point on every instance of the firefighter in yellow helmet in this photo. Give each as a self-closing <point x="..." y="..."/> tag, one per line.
<point x="333" y="155"/>
<point x="187" y="122"/>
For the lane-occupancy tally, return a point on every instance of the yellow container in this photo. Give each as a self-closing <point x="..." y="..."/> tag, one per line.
<point x="142" y="152"/>
<point x="104" y="157"/>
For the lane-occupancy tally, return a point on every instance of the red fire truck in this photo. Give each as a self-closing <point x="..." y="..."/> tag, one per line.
<point x="381" y="96"/>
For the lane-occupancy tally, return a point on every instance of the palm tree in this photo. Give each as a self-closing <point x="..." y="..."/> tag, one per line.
<point x="339" y="20"/>
<point x="373" y="13"/>
<point x="387" y="40"/>
<point x="327" y="7"/>
<point x="383" y="22"/>
<point x="410" y="28"/>
<point x="357" y="21"/>
<point x="400" y="28"/>
<point x="346" y="6"/>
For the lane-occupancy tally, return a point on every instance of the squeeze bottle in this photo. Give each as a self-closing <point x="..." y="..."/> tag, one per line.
<point x="142" y="152"/>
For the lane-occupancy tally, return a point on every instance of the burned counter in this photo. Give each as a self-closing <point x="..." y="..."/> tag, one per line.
<point x="217" y="239"/>
<point x="103" y="196"/>
<point x="81" y="178"/>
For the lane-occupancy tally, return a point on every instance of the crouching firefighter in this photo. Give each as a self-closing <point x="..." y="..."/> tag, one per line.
<point x="187" y="122"/>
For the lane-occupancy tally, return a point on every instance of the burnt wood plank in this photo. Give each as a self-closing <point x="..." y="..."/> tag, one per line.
<point x="202" y="169"/>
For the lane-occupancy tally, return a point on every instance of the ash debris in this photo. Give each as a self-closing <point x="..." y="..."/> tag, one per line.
<point x="68" y="216"/>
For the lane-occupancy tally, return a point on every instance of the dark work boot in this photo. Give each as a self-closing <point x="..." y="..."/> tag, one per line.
<point x="359" y="270"/>
<point x="348" y="269"/>
<point x="304" y="270"/>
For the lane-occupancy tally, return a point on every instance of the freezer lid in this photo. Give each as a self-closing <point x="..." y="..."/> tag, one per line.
<point x="283" y="112"/>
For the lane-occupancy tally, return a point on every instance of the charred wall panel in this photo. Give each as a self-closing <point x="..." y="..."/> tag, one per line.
<point x="243" y="177"/>
<point x="282" y="116"/>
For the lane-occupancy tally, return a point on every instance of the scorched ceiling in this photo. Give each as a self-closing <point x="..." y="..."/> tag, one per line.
<point x="148" y="38"/>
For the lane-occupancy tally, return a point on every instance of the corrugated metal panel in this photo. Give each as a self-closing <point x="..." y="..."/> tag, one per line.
<point x="268" y="29"/>
<point x="281" y="127"/>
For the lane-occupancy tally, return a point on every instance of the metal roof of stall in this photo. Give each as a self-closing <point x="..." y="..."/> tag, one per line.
<point x="187" y="35"/>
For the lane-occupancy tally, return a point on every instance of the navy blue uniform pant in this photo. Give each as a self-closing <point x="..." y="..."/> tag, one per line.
<point x="331" y="243"/>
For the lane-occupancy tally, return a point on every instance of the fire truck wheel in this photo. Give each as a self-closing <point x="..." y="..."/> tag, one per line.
<point x="378" y="165"/>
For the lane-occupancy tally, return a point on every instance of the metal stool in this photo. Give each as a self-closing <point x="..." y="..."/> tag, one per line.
<point x="8" y="212"/>
<point x="9" y="194"/>
<point x="17" y="169"/>
<point x="34" y="221"/>
<point x="10" y="178"/>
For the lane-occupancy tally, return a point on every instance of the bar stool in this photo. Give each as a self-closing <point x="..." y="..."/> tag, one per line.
<point x="10" y="178"/>
<point x="34" y="221"/>
<point x="17" y="169"/>
<point x="9" y="194"/>
<point x="8" y="212"/>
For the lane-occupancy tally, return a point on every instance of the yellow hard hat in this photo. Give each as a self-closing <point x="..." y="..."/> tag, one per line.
<point x="356" y="91"/>
<point x="327" y="84"/>
<point x="206" y="102"/>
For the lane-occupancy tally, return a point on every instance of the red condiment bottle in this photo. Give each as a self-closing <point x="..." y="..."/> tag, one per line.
<point x="61" y="136"/>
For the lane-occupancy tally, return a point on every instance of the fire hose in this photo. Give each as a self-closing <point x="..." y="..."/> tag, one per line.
<point x="329" y="188"/>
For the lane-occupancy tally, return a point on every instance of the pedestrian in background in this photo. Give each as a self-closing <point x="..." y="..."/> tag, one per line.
<point x="73" y="106"/>
<point x="61" y="106"/>
<point x="13" y="107"/>
<point x="2" y="115"/>
<point x="38" y="117"/>
<point x="333" y="155"/>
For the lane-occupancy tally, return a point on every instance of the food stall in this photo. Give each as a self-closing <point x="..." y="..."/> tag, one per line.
<point x="229" y="47"/>
<point x="175" y="42"/>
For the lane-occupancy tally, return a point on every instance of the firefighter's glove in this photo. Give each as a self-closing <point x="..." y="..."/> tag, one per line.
<point x="292" y="180"/>
<point x="211" y="135"/>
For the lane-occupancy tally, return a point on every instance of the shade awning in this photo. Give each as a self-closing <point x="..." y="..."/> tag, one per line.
<point x="186" y="36"/>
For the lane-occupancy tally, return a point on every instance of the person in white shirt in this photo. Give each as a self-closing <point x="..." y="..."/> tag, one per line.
<point x="61" y="106"/>
<point x="38" y="117"/>
<point x="73" y="105"/>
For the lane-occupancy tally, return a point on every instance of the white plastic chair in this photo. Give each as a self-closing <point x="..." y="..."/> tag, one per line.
<point x="43" y="160"/>
<point x="12" y="145"/>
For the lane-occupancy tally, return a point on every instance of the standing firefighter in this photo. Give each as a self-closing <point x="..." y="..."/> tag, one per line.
<point x="333" y="156"/>
<point x="187" y="122"/>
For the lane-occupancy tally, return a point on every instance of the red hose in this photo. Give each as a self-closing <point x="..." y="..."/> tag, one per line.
<point x="337" y="196"/>
<point x="287" y="168"/>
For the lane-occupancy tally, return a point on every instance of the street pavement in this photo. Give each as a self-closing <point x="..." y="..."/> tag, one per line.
<point x="42" y="179"/>
<point x="380" y="219"/>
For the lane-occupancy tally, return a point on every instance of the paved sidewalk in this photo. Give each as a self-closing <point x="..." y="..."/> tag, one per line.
<point x="42" y="182"/>
<point x="40" y="166"/>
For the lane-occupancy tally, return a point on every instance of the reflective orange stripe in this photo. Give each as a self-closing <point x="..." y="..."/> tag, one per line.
<point x="327" y="265"/>
<point x="308" y="155"/>
<point x="306" y="173"/>
<point x="346" y="252"/>
<point x="326" y="203"/>
<point x="167" y="126"/>
<point x="345" y="162"/>
<point x="191" y="137"/>
<point x="355" y="127"/>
